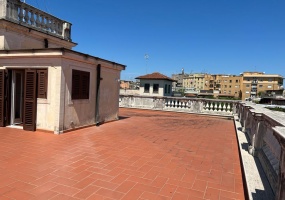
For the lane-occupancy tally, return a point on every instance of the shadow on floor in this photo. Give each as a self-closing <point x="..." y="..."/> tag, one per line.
<point x="123" y="117"/>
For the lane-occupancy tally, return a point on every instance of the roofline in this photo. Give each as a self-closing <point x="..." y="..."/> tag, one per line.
<point x="62" y="50"/>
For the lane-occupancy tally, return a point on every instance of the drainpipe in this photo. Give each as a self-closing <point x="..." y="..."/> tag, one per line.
<point x="98" y="79"/>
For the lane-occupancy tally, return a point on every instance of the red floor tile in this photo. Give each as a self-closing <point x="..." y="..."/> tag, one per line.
<point x="147" y="155"/>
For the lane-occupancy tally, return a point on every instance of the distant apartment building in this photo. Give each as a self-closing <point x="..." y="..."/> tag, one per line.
<point x="194" y="81"/>
<point x="255" y="83"/>
<point x="245" y="85"/>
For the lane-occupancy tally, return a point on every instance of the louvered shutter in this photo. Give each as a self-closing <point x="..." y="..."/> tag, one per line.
<point x="42" y="83"/>
<point x="75" y="84"/>
<point x="85" y="82"/>
<point x="30" y="100"/>
<point x="2" y="98"/>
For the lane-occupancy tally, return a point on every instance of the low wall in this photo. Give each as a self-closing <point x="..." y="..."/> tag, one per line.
<point x="180" y="104"/>
<point x="265" y="130"/>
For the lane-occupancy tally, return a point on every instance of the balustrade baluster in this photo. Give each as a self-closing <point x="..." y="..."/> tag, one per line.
<point x="220" y="106"/>
<point x="43" y="24"/>
<point x="224" y="107"/>
<point x="216" y="106"/>
<point x="38" y="22"/>
<point x="48" y="25"/>
<point x="27" y="18"/>
<point x="32" y="19"/>
<point x="172" y="104"/>
<point x="21" y="15"/>
<point x="229" y="107"/>
<point x="207" y="106"/>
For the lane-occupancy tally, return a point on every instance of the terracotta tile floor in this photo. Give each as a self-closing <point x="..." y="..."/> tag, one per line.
<point x="145" y="155"/>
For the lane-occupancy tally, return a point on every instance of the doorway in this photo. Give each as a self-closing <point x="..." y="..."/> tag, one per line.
<point x="17" y="91"/>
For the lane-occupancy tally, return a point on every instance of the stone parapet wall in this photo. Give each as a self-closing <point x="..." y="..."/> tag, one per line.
<point x="265" y="130"/>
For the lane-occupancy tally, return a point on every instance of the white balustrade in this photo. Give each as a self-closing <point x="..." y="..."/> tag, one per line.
<point x="191" y="105"/>
<point x="32" y="17"/>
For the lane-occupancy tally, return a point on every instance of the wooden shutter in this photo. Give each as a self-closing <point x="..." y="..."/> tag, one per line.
<point x="2" y="98"/>
<point x="75" y="84"/>
<point x="42" y="83"/>
<point x="85" y="82"/>
<point x="80" y="84"/>
<point x="30" y="100"/>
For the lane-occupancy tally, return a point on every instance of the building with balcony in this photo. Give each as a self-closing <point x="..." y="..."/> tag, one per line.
<point x="46" y="85"/>
<point x="256" y="83"/>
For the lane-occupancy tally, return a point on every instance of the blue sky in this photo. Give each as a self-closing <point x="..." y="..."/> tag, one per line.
<point x="212" y="36"/>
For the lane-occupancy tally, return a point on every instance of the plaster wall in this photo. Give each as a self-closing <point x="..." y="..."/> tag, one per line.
<point x="109" y="94"/>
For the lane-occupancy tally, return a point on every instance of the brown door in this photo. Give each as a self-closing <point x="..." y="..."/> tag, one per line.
<point x="30" y="100"/>
<point x="2" y="98"/>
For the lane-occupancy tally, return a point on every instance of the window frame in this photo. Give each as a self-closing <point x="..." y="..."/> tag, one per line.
<point x="145" y="90"/>
<point x="156" y="89"/>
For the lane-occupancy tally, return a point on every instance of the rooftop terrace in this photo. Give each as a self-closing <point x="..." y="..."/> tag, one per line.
<point x="145" y="155"/>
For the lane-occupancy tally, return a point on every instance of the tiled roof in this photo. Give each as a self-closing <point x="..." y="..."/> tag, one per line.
<point x="155" y="76"/>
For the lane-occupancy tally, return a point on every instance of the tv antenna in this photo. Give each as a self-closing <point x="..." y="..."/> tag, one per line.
<point x="146" y="57"/>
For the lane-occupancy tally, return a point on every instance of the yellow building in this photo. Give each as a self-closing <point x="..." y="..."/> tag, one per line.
<point x="255" y="83"/>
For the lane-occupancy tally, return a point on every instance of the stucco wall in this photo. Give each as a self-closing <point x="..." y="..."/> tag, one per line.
<point x="77" y="112"/>
<point x="48" y="109"/>
<point x="109" y="94"/>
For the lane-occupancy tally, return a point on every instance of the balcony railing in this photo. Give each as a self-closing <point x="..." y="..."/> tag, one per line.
<point x="29" y="16"/>
<point x="190" y="105"/>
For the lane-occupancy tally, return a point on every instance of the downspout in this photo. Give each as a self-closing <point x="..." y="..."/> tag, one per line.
<point x="97" y="103"/>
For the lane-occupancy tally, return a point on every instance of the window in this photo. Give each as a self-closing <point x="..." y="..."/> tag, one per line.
<point x="226" y="86"/>
<point x="168" y="89"/>
<point x="270" y="80"/>
<point x="230" y="86"/>
<point x="247" y="85"/>
<point x="165" y="89"/>
<point x="269" y="86"/>
<point x="247" y="92"/>
<point x="80" y="84"/>
<point x="155" y="88"/>
<point x="236" y="81"/>
<point x="42" y="83"/>
<point x="260" y="86"/>
<point x="236" y="86"/>
<point x="230" y="81"/>
<point x="146" y="88"/>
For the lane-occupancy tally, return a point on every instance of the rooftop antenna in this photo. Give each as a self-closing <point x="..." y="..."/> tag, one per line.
<point x="146" y="57"/>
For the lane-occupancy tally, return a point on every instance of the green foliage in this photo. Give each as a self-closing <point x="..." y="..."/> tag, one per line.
<point x="276" y="109"/>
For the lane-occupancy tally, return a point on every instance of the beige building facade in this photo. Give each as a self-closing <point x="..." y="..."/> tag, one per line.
<point x="43" y="83"/>
<point x="256" y="83"/>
